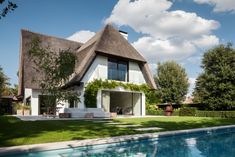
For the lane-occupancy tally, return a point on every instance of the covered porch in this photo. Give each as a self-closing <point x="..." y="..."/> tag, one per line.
<point x="121" y="102"/>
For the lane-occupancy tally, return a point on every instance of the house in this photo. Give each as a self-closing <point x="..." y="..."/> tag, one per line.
<point x="107" y="53"/>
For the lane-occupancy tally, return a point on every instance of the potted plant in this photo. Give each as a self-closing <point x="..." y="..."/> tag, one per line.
<point x="26" y="110"/>
<point x="22" y="109"/>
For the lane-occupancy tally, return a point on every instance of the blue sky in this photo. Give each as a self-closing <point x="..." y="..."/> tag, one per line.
<point x="180" y="30"/>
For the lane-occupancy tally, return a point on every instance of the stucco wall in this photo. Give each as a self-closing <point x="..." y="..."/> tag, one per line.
<point x="35" y="102"/>
<point x="135" y="74"/>
<point x="99" y="70"/>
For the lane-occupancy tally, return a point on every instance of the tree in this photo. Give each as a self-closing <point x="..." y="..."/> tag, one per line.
<point x="5" y="10"/>
<point x="215" y="87"/>
<point x="172" y="82"/>
<point x="56" y="68"/>
<point x="10" y="91"/>
<point x="3" y="81"/>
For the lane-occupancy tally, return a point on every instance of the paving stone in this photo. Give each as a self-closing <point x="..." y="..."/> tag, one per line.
<point x="147" y="129"/>
<point x="115" y="123"/>
<point x="101" y="121"/>
<point x="126" y="126"/>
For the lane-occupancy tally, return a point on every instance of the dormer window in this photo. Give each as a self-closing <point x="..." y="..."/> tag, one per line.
<point x="117" y="70"/>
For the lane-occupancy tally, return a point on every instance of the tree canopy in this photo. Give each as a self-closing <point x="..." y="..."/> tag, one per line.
<point x="3" y="81"/>
<point x="215" y="87"/>
<point x="172" y="82"/>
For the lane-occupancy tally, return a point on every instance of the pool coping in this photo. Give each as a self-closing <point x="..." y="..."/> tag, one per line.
<point x="98" y="141"/>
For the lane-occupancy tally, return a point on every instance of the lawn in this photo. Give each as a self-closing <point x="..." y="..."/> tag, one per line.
<point x="16" y="132"/>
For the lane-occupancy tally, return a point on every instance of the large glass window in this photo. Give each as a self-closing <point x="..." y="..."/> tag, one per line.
<point x="117" y="70"/>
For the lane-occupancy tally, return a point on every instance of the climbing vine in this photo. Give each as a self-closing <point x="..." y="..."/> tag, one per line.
<point x="93" y="87"/>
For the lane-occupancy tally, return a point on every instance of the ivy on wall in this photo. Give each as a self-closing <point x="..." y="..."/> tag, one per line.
<point x="93" y="87"/>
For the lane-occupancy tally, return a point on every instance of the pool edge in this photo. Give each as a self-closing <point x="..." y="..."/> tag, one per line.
<point x="116" y="139"/>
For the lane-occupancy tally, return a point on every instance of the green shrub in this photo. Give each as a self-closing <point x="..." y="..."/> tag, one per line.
<point x="187" y="111"/>
<point x="223" y="114"/>
<point x="151" y="110"/>
<point x="176" y="112"/>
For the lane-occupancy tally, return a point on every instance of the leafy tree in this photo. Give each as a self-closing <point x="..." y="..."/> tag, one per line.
<point x="9" y="90"/>
<point x="6" y="9"/>
<point x="3" y="81"/>
<point x="172" y="82"/>
<point x="57" y="68"/>
<point x="215" y="87"/>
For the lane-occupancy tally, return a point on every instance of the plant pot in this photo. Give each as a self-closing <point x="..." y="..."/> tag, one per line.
<point x="19" y="112"/>
<point x="26" y="112"/>
<point x="113" y="114"/>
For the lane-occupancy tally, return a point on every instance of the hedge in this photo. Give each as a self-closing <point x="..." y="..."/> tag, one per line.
<point x="151" y="110"/>
<point x="223" y="114"/>
<point x="188" y="111"/>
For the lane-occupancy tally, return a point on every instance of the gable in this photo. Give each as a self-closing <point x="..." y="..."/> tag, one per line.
<point x="108" y="42"/>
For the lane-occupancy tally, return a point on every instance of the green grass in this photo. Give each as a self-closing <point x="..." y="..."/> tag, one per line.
<point x="16" y="132"/>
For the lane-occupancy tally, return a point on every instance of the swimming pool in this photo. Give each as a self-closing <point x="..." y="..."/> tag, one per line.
<point x="203" y="143"/>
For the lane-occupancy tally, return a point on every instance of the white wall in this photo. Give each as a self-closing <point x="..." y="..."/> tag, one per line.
<point x="137" y="104"/>
<point x="143" y="104"/>
<point x="135" y="74"/>
<point x="28" y="92"/>
<point x="98" y="70"/>
<point x="35" y="102"/>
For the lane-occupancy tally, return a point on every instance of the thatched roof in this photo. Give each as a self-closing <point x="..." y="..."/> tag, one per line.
<point x="27" y="71"/>
<point x="108" y="42"/>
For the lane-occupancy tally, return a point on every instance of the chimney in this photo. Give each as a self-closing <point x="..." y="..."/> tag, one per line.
<point x="124" y="34"/>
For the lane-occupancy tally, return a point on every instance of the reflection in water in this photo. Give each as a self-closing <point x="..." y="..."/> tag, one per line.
<point x="196" y="145"/>
<point x="209" y="144"/>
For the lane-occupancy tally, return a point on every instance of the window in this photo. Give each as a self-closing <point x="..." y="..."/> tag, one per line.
<point x="117" y="70"/>
<point x="72" y="104"/>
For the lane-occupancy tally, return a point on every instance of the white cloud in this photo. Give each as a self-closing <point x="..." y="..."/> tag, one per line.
<point x="160" y="50"/>
<point x="192" y="81"/>
<point x="153" y="18"/>
<point x="196" y="60"/>
<point x="206" y="41"/>
<point x="81" y="36"/>
<point x="167" y="34"/>
<point x="219" y="5"/>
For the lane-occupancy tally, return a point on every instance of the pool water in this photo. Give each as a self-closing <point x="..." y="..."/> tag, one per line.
<point x="217" y="143"/>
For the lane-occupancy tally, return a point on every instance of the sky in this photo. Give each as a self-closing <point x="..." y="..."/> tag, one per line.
<point x="161" y="30"/>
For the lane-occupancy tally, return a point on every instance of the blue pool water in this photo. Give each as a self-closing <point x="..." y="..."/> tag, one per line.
<point x="217" y="143"/>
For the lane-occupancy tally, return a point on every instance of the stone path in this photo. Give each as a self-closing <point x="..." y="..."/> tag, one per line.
<point x="115" y="123"/>
<point x="127" y="126"/>
<point x="101" y="121"/>
<point x="147" y="129"/>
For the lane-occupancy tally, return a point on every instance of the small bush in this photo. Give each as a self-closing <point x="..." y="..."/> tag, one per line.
<point x="152" y="110"/>
<point x="187" y="111"/>
<point x="176" y="112"/>
<point x="223" y="114"/>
